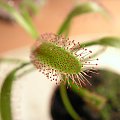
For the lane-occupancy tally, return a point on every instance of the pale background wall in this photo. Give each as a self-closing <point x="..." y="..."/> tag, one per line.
<point x="51" y="16"/>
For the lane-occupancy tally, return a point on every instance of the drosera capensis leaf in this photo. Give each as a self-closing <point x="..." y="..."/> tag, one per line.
<point x="24" y="20"/>
<point x="5" y="93"/>
<point x="104" y="41"/>
<point x="58" y="58"/>
<point x="52" y="55"/>
<point x="80" y="9"/>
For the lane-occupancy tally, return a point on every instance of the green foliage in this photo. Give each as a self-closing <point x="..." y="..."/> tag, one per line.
<point x="109" y="88"/>
<point x="21" y="18"/>
<point x="5" y="94"/>
<point x="88" y="7"/>
<point x="57" y="58"/>
<point x="29" y="5"/>
<point x="25" y="21"/>
<point x="67" y="103"/>
<point x="96" y="101"/>
<point x="105" y="41"/>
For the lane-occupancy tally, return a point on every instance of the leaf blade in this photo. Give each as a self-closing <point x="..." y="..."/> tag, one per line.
<point x="105" y="41"/>
<point x="5" y="94"/>
<point x="80" y="9"/>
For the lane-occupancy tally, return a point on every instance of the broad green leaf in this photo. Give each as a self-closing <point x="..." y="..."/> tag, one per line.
<point x="5" y="94"/>
<point x="80" y="9"/>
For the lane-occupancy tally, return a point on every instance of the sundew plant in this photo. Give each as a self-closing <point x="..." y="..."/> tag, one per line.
<point x="60" y="59"/>
<point x="55" y="57"/>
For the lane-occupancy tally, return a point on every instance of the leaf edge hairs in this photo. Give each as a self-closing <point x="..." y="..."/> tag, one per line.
<point x="53" y="55"/>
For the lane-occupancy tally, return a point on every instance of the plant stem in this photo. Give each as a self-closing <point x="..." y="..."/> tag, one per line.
<point x="96" y="101"/>
<point x="63" y="91"/>
<point x="64" y="26"/>
<point x="67" y="103"/>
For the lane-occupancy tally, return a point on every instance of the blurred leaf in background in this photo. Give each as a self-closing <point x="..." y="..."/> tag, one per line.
<point x="79" y="9"/>
<point x="31" y="6"/>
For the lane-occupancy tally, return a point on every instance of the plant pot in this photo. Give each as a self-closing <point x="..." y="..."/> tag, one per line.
<point x="105" y="84"/>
